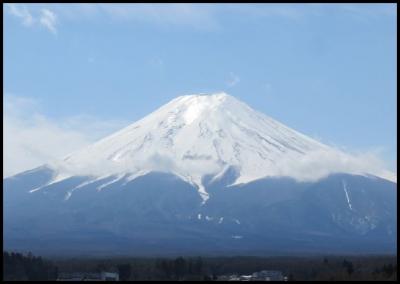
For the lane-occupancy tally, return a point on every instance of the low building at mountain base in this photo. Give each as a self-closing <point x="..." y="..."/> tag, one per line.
<point x="89" y="276"/>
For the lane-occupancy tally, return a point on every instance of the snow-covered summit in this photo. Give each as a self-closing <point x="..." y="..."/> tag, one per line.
<point x="197" y="135"/>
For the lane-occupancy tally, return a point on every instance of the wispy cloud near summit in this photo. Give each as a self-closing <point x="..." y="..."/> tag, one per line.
<point x="32" y="139"/>
<point x="23" y="13"/>
<point x="48" y="19"/>
<point x="45" y="17"/>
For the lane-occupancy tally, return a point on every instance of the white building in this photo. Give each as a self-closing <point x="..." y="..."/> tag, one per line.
<point x="89" y="276"/>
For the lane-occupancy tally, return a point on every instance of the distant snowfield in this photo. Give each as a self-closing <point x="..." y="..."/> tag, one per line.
<point x="198" y="135"/>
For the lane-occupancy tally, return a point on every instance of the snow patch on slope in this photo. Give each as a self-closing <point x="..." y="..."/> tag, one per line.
<point x="347" y="194"/>
<point x="114" y="180"/>
<point x="58" y="177"/>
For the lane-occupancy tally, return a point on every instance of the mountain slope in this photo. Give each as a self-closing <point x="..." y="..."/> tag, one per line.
<point x="202" y="175"/>
<point x="201" y="135"/>
<point x="160" y="214"/>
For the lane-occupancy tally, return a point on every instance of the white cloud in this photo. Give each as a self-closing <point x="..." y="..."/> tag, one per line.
<point x="48" y="19"/>
<point x="32" y="139"/>
<point x="198" y="16"/>
<point x="298" y="12"/>
<point x="319" y="164"/>
<point x="21" y="12"/>
<point x="233" y="80"/>
<point x="371" y="11"/>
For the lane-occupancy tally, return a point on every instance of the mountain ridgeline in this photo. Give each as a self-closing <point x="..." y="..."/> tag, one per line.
<point x="202" y="175"/>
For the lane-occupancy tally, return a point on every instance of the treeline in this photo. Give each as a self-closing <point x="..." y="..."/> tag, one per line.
<point x="329" y="268"/>
<point x="17" y="266"/>
<point x="180" y="268"/>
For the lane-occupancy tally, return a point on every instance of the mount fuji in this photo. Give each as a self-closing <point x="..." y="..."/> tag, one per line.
<point x="203" y="174"/>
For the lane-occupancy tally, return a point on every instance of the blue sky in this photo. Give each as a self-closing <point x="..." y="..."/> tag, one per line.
<point x="328" y="71"/>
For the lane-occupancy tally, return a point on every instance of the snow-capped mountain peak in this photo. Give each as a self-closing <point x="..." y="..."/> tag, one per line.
<point x="197" y="135"/>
